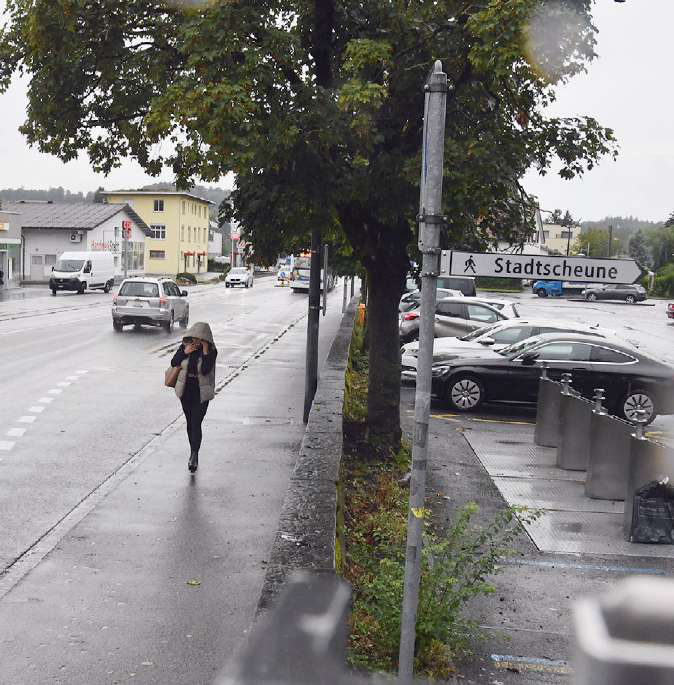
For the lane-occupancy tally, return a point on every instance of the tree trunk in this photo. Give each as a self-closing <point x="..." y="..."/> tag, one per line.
<point x="385" y="287"/>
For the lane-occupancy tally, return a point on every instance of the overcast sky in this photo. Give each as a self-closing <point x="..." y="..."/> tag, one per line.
<point x="627" y="88"/>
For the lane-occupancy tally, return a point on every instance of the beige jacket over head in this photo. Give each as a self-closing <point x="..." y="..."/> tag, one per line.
<point x="202" y="331"/>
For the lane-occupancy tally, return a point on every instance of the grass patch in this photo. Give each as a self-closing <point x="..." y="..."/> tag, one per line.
<point x="372" y="531"/>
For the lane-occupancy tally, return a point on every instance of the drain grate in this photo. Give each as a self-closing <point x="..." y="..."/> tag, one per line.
<point x="511" y="442"/>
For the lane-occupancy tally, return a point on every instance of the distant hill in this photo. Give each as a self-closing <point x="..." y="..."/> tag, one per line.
<point x="214" y="194"/>
<point x="628" y="224"/>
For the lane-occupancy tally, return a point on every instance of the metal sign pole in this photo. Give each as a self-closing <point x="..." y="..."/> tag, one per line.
<point x="430" y="221"/>
<point x="326" y="251"/>
<point x="313" y="322"/>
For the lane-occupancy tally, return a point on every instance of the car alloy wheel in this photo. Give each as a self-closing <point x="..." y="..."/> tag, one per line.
<point x="630" y="299"/>
<point x="542" y="293"/>
<point x="591" y="297"/>
<point x="635" y="401"/>
<point x="465" y="393"/>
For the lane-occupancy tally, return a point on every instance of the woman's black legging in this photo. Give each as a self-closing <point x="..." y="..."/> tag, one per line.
<point x="194" y="411"/>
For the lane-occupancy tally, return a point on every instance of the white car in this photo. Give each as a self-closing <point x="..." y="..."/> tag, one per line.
<point x="412" y="299"/>
<point x="239" y="275"/>
<point x="496" y="337"/>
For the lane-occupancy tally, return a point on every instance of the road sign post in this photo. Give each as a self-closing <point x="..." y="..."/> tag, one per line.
<point x="545" y="267"/>
<point x="430" y="221"/>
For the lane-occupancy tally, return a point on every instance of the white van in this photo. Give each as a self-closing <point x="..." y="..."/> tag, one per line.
<point x="80" y="271"/>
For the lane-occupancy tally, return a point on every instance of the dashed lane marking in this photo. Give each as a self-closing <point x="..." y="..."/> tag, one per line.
<point x="36" y="409"/>
<point x="15" y="432"/>
<point x="81" y="372"/>
<point x="46" y="400"/>
<point x="64" y="384"/>
<point x="55" y="391"/>
<point x="6" y="445"/>
<point x="26" y="419"/>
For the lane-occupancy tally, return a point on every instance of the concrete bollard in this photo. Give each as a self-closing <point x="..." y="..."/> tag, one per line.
<point x="609" y="453"/>
<point x="649" y="461"/>
<point x="575" y="414"/>
<point x="546" y="432"/>
<point x="626" y="636"/>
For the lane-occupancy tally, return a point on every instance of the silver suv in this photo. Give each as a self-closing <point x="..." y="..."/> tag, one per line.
<point x="150" y="302"/>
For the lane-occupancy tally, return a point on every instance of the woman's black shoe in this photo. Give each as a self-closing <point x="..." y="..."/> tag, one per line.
<point x="193" y="463"/>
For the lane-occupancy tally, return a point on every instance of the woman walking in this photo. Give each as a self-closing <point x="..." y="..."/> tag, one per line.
<point x="196" y="382"/>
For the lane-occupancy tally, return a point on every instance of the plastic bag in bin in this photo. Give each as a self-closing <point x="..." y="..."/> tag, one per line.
<point x="653" y="513"/>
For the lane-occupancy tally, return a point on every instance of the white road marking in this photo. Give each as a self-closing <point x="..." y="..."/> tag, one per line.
<point x="36" y="409"/>
<point x="15" y="432"/>
<point x="72" y="378"/>
<point x="54" y="391"/>
<point x="6" y="445"/>
<point x="64" y="384"/>
<point x="46" y="400"/>
<point x="81" y="371"/>
<point x="27" y="419"/>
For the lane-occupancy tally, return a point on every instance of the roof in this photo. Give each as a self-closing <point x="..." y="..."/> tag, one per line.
<point x="157" y="192"/>
<point x="69" y="215"/>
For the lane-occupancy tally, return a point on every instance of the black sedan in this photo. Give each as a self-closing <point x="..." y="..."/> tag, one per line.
<point x="632" y="380"/>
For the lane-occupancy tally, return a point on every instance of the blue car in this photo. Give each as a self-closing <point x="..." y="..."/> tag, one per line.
<point x="548" y="288"/>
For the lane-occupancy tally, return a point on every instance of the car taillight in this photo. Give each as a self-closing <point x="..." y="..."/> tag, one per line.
<point x="163" y="302"/>
<point x="410" y="316"/>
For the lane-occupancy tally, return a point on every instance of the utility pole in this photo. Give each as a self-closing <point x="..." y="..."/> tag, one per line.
<point x="610" y="239"/>
<point x="430" y="221"/>
<point x="125" y="250"/>
<point x="311" y="372"/>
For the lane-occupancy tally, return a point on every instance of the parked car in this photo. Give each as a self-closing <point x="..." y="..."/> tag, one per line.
<point x="80" y="271"/>
<point x="454" y="316"/>
<point x="150" y="302"/>
<point x="628" y="293"/>
<point x="412" y="299"/>
<point x="544" y="288"/>
<point x="670" y="310"/>
<point x="466" y="284"/>
<point x="498" y="336"/>
<point x="631" y="379"/>
<point x="239" y="275"/>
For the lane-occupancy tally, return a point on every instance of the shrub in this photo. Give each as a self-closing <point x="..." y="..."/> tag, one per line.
<point x="664" y="282"/>
<point x="494" y="283"/>
<point x="186" y="277"/>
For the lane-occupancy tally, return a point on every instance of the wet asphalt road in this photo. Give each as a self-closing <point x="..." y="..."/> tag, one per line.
<point x="102" y="525"/>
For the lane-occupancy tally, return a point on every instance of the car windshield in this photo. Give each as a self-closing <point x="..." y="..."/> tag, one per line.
<point x="238" y="270"/>
<point x="303" y="263"/>
<point x="139" y="289"/>
<point x="69" y="265"/>
<point x="473" y="335"/>
<point x="519" y="347"/>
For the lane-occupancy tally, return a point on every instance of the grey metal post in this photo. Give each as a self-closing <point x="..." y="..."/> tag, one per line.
<point x="566" y="383"/>
<point x="326" y="250"/>
<point x="344" y="295"/>
<point x="353" y="285"/>
<point x="640" y="422"/>
<point x="430" y="220"/>
<point x="544" y="370"/>
<point x="311" y="373"/>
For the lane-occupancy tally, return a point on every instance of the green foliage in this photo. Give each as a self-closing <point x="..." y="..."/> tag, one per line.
<point x="495" y="284"/>
<point x="638" y="250"/>
<point x="356" y="380"/>
<point x="664" y="282"/>
<point x="591" y="243"/>
<point x="456" y="567"/>
<point x="188" y="277"/>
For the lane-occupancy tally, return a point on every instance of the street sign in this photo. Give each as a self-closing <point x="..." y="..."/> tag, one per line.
<point x="500" y="265"/>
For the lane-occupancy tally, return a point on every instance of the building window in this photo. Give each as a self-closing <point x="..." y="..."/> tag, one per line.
<point x="546" y="234"/>
<point x="182" y="234"/>
<point x="566" y="234"/>
<point x="189" y="234"/>
<point x="49" y="259"/>
<point x="116" y="260"/>
<point x="158" y="231"/>
<point x="159" y="205"/>
<point x="157" y="254"/>
<point x="183" y="206"/>
<point x="211" y="236"/>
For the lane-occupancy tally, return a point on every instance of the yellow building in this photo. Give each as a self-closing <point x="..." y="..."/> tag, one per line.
<point x="178" y="240"/>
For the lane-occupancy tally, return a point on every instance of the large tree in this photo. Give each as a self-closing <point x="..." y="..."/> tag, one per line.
<point x="316" y="106"/>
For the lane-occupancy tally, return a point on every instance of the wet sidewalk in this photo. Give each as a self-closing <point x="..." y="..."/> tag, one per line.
<point x="159" y="581"/>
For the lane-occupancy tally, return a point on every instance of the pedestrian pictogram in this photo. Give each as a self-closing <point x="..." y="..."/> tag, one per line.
<point x="470" y="264"/>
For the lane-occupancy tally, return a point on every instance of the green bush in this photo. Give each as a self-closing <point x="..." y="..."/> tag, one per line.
<point x="664" y="282"/>
<point x="494" y="283"/>
<point x="217" y="267"/>
<point x="190" y="278"/>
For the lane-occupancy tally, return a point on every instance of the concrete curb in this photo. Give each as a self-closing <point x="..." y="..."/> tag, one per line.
<point x="305" y="539"/>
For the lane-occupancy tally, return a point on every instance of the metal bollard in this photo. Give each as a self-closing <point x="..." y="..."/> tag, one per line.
<point x="625" y="637"/>
<point x="649" y="461"/>
<point x="609" y="453"/>
<point x="575" y="414"/>
<point x="546" y="432"/>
